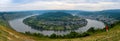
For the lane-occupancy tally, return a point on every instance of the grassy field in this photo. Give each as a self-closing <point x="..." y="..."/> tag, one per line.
<point x="8" y="34"/>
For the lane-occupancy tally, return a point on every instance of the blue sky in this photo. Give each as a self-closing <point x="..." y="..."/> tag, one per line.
<point x="91" y="5"/>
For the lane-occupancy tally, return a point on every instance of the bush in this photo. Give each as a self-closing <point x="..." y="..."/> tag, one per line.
<point x="91" y="30"/>
<point x="72" y="34"/>
<point x="53" y="36"/>
<point x="34" y="34"/>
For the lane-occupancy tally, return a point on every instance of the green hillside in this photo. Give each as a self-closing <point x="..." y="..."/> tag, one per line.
<point x="55" y="21"/>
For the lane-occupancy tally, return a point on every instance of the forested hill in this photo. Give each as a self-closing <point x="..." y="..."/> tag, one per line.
<point x="108" y="13"/>
<point x="111" y="13"/>
<point x="13" y="15"/>
<point x="56" y="16"/>
<point x="55" y="21"/>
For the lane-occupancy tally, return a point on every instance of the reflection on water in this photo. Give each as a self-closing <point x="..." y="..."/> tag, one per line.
<point x="19" y="26"/>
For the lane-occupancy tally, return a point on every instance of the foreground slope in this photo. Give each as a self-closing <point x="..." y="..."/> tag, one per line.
<point x="8" y="34"/>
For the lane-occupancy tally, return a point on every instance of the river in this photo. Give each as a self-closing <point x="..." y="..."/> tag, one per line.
<point x="18" y="25"/>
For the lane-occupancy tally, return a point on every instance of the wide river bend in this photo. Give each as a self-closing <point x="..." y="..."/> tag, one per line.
<point x="18" y="25"/>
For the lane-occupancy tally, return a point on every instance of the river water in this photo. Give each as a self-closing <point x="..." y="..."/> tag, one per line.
<point x="18" y="25"/>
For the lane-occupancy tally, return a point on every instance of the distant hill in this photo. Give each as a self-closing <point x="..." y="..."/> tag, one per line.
<point x="55" y="16"/>
<point x="14" y="15"/>
<point x="112" y="13"/>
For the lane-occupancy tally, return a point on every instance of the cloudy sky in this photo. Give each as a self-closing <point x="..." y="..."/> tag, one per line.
<point x="18" y="5"/>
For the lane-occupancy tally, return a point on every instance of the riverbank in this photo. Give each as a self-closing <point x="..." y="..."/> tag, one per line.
<point x="19" y="26"/>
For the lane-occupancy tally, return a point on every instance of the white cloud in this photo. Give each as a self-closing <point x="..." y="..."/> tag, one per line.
<point x="5" y="2"/>
<point x="60" y="5"/>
